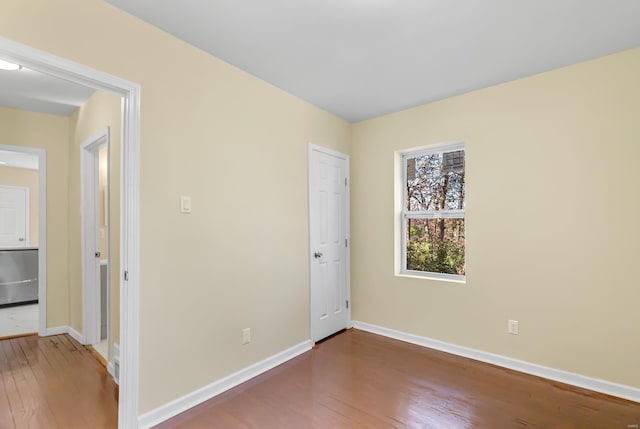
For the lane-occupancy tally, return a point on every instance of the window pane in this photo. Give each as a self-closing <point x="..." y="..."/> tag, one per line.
<point x="435" y="181"/>
<point x="436" y="245"/>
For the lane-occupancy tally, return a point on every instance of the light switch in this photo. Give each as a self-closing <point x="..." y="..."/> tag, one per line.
<point x="185" y="204"/>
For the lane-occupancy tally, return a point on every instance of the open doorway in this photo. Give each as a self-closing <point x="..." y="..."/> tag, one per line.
<point x="129" y="246"/>
<point x="22" y="254"/>
<point x="96" y="290"/>
<point x="74" y="130"/>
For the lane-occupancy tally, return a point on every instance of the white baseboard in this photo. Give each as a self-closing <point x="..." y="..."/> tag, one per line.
<point x="57" y="330"/>
<point x="76" y="335"/>
<point x="196" y="397"/>
<point x="113" y="367"/>
<point x="602" y="386"/>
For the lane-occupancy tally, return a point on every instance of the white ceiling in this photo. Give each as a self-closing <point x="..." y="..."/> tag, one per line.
<point x="30" y="90"/>
<point x="364" y="58"/>
<point x="33" y="91"/>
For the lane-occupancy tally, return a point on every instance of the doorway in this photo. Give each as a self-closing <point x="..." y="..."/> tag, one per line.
<point x="129" y="198"/>
<point x="23" y="284"/>
<point x="94" y="160"/>
<point x="329" y="290"/>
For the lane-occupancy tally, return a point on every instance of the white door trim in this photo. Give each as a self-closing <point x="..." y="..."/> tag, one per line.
<point x="311" y="148"/>
<point x="42" y="230"/>
<point x="129" y="207"/>
<point x="90" y="203"/>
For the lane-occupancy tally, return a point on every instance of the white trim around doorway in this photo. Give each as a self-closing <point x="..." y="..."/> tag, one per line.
<point x="129" y="207"/>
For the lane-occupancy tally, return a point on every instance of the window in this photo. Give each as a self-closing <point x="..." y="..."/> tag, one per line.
<point x="433" y="212"/>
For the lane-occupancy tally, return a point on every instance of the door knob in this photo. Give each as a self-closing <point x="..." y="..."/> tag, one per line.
<point x="97" y="254"/>
<point x="317" y="255"/>
<point x="21" y="239"/>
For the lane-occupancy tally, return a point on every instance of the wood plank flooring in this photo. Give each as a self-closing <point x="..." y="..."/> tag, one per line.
<point x="361" y="380"/>
<point x="54" y="382"/>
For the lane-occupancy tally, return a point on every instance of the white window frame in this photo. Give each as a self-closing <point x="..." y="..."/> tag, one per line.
<point x="428" y="214"/>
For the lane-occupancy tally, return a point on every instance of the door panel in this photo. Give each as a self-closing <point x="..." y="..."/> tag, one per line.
<point x="13" y="216"/>
<point x="327" y="225"/>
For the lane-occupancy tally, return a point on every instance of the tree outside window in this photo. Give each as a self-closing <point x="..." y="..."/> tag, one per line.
<point x="433" y="212"/>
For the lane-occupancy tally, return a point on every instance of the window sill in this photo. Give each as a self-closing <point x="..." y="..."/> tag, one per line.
<point x="431" y="277"/>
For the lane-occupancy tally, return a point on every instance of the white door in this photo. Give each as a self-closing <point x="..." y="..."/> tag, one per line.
<point x="91" y="220"/>
<point x="328" y="231"/>
<point x="14" y="210"/>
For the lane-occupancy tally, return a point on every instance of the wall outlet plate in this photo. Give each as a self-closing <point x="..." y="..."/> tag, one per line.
<point x="513" y="327"/>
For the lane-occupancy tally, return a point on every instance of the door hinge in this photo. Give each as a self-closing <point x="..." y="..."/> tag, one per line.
<point x="345" y="181"/>
<point x="347" y="303"/>
<point x="346" y="243"/>
<point x="126" y="276"/>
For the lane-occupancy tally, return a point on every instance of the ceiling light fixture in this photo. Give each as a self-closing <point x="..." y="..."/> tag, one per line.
<point x="3" y="162"/>
<point x="6" y="65"/>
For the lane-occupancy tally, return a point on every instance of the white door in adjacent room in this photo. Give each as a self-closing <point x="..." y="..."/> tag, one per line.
<point x="14" y="211"/>
<point x="328" y="239"/>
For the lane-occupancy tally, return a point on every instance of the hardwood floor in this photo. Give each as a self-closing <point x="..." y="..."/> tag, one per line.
<point x="361" y="380"/>
<point x="54" y="382"/>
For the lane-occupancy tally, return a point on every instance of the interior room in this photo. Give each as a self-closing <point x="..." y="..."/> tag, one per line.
<point x="254" y="184"/>
<point x="46" y="123"/>
<point x="19" y="247"/>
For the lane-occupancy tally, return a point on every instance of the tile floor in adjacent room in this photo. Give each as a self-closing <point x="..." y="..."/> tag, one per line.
<point x="102" y="347"/>
<point x="18" y="320"/>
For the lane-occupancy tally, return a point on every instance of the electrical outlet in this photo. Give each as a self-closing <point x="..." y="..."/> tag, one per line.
<point x="246" y="336"/>
<point x="513" y="327"/>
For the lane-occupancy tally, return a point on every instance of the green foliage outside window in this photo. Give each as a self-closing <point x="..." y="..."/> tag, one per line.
<point x="436" y="245"/>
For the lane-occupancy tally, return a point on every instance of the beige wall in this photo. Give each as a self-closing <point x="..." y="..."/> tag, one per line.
<point x="101" y="110"/>
<point x="552" y="230"/>
<point x="27" y="178"/>
<point x="51" y="133"/>
<point x="238" y="147"/>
